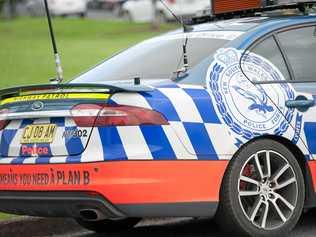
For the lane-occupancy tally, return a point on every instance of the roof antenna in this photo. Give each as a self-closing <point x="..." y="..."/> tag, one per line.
<point x="59" y="69"/>
<point x="186" y="29"/>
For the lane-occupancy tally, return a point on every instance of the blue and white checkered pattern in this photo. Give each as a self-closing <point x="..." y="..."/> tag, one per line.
<point x="308" y="130"/>
<point x="195" y="133"/>
<point x="61" y="149"/>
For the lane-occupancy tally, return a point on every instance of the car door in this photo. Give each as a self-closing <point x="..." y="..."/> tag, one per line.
<point x="299" y="48"/>
<point x="293" y="52"/>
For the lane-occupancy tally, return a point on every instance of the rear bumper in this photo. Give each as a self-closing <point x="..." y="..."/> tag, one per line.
<point x="57" y="204"/>
<point x="76" y="204"/>
<point x="124" y="189"/>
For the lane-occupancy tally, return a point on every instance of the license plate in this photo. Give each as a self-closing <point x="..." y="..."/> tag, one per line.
<point x="41" y="133"/>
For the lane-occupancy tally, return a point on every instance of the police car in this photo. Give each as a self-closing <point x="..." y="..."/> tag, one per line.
<point x="228" y="132"/>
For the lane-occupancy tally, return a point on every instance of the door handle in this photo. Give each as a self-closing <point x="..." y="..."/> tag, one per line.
<point x="301" y="103"/>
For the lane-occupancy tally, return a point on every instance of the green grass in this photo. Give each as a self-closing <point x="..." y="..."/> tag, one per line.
<point x="26" y="54"/>
<point x="5" y="217"/>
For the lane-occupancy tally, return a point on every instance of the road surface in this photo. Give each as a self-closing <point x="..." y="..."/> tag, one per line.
<point x="184" y="227"/>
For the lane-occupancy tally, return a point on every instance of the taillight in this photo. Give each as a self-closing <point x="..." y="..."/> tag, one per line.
<point x="3" y="118"/>
<point x="115" y="115"/>
<point x="171" y="1"/>
<point x="85" y="115"/>
<point x="129" y="116"/>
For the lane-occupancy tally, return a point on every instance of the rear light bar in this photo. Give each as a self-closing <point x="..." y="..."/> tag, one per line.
<point x="89" y="115"/>
<point x="229" y="6"/>
<point x="3" y="118"/>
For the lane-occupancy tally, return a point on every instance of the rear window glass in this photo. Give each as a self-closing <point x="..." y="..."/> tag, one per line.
<point x="157" y="58"/>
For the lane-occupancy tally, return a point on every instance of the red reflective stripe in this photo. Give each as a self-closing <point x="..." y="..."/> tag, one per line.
<point x="126" y="182"/>
<point x="312" y="166"/>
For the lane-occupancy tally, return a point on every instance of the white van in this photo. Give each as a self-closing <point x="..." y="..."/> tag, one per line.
<point x="58" y="7"/>
<point x="142" y="10"/>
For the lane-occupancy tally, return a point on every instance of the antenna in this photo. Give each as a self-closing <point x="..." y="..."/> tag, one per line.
<point x="186" y="29"/>
<point x="59" y="69"/>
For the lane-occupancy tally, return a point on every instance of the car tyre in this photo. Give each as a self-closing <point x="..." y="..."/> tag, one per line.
<point x="262" y="192"/>
<point x="109" y="226"/>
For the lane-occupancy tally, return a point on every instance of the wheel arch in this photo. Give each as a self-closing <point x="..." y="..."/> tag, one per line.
<point x="310" y="195"/>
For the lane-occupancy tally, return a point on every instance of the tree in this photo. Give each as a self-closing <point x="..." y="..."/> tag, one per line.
<point x="155" y="19"/>
<point x="1" y="5"/>
<point x="10" y="8"/>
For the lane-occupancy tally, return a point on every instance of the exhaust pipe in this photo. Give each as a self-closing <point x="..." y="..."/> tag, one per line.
<point x="91" y="215"/>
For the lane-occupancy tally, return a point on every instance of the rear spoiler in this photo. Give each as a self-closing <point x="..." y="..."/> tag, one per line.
<point x="73" y="87"/>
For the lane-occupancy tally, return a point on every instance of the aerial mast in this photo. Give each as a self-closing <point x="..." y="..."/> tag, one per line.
<point x="59" y="69"/>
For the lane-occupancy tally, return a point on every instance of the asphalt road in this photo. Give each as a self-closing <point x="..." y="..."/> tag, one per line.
<point x="195" y="228"/>
<point x="185" y="227"/>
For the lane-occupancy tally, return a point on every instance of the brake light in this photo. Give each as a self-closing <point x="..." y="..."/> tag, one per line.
<point x="85" y="115"/>
<point x="3" y="118"/>
<point x="171" y="1"/>
<point x="115" y="115"/>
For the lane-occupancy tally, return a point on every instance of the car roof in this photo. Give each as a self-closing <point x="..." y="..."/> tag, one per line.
<point x="249" y="23"/>
<point x="239" y="24"/>
<point x="254" y="27"/>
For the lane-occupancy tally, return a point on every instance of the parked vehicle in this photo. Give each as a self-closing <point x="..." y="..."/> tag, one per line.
<point x="142" y="10"/>
<point x="113" y="5"/>
<point x="228" y="133"/>
<point x="58" y="7"/>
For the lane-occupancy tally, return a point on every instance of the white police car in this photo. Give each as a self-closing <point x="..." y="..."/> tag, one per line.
<point x="232" y="134"/>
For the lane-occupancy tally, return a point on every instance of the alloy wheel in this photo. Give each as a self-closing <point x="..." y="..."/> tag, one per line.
<point x="267" y="189"/>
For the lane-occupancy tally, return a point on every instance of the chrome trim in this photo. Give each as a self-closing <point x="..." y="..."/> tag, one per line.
<point x="36" y="114"/>
<point x="57" y="91"/>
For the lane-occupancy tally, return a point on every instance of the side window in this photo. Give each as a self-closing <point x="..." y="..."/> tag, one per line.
<point x="300" y="48"/>
<point x="270" y="51"/>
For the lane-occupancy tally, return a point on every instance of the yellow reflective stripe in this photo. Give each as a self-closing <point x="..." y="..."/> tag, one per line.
<point x="55" y="96"/>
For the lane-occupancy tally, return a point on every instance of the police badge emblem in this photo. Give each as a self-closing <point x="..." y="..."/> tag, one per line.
<point x="249" y="109"/>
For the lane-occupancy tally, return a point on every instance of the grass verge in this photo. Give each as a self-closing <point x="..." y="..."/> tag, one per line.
<point x="26" y="54"/>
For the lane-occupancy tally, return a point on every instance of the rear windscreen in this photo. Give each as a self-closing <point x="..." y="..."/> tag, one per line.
<point x="157" y="58"/>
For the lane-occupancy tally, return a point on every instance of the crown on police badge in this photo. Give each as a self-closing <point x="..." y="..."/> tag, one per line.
<point x="227" y="56"/>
